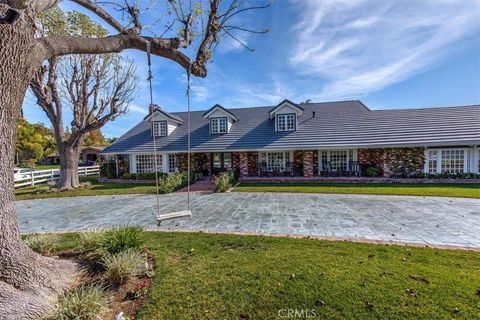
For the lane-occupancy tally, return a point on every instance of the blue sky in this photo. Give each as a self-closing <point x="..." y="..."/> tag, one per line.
<point x="389" y="54"/>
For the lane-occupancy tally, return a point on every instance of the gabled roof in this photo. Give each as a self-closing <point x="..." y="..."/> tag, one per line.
<point x="166" y="114"/>
<point x="281" y="104"/>
<point x="341" y="124"/>
<point x="219" y="107"/>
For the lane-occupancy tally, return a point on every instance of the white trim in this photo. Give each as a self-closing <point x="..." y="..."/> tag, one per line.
<point x="133" y="163"/>
<point x="320" y="164"/>
<point x="468" y="159"/>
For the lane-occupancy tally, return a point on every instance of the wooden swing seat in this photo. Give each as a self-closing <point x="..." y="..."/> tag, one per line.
<point x="173" y="215"/>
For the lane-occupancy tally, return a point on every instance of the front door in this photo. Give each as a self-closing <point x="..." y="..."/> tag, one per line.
<point x="221" y="161"/>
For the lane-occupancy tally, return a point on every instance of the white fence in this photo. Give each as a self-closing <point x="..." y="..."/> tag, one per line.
<point x="30" y="179"/>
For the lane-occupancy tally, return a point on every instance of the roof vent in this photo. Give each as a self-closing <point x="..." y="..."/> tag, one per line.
<point x="313" y="114"/>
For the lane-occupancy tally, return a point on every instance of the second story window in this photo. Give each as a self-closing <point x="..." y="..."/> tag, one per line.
<point x="218" y="125"/>
<point x="286" y="122"/>
<point x="160" y="128"/>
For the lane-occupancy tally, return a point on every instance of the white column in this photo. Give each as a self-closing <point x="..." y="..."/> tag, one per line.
<point x="476" y="159"/>
<point x="425" y="163"/>
<point x="165" y="162"/>
<point x="133" y="163"/>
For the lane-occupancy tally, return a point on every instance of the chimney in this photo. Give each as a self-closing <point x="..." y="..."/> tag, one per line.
<point x="153" y="107"/>
<point x="313" y="114"/>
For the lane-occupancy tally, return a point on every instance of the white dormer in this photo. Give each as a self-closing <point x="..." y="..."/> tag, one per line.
<point x="162" y="122"/>
<point x="220" y="119"/>
<point x="286" y="115"/>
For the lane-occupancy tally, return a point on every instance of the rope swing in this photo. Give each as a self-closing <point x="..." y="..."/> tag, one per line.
<point x="172" y="215"/>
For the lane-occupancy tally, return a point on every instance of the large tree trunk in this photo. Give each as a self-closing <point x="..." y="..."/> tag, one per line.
<point x="69" y="157"/>
<point x="29" y="283"/>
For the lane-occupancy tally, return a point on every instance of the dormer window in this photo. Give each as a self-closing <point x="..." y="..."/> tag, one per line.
<point x="160" y="128"/>
<point x="286" y="122"/>
<point x="218" y="125"/>
<point x="220" y="119"/>
<point x="286" y="114"/>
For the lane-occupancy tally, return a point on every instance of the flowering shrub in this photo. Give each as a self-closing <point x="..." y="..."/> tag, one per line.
<point x="225" y="181"/>
<point x="140" y="290"/>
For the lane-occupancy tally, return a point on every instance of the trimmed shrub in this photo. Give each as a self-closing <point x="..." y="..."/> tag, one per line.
<point x="143" y="176"/>
<point x="372" y="171"/>
<point x="122" y="266"/>
<point x="225" y="181"/>
<point x="121" y="239"/>
<point x="108" y="170"/>
<point x="41" y="243"/>
<point x="175" y="181"/>
<point x="84" y="303"/>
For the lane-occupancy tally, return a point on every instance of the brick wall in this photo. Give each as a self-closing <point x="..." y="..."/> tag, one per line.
<point x="252" y="163"/>
<point x="243" y="157"/>
<point x="298" y="162"/>
<point x="393" y="161"/>
<point x="308" y="163"/>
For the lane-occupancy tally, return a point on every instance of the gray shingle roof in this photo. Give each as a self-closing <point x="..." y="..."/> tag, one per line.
<point x="335" y="125"/>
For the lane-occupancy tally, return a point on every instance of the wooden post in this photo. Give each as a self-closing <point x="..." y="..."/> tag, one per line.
<point x="32" y="178"/>
<point x="52" y="175"/>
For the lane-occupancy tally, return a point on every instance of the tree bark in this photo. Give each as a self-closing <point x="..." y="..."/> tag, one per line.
<point x="29" y="283"/>
<point x="69" y="157"/>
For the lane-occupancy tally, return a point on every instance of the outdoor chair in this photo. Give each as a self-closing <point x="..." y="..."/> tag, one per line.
<point x="354" y="168"/>
<point x="326" y="168"/>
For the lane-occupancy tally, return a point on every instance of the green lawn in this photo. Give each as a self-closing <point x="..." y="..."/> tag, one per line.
<point x="204" y="276"/>
<point x="443" y="190"/>
<point x="95" y="189"/>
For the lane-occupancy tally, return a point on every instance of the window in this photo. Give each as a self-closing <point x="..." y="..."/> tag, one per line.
<point x="218" y="125"/>
<point x="172" y="163"/>
<point x="146" y="163"/>
<point x="448" y="161"/>
<point x="286" y="122"/>
<point x="276" y="161"/>
<point x="432" y="161"/>
<point x="160" y="128"/>
<point x="453" y="161"/>
<point x="336" y="160"/>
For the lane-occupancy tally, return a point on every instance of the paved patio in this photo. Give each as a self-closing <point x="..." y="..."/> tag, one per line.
<point x="415" y="220"/>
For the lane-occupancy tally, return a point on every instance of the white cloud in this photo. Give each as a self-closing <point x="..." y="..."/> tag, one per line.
<point x="362" y="46"/>
<point x="136" y="109"/>
<point x="199" y="93"/>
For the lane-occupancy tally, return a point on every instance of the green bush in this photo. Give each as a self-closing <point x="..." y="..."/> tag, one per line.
<point x="122" y="266"/>
<point x="174" y="181"/>
<point x="143" y="176"/>
<point x="84" y="303"/>
<point x="225" y="181"/>
<point x="372" y="171"/>
<point x="121" y="239"/>
<point x="108" y="170"/>
<point x="41" y="243"/>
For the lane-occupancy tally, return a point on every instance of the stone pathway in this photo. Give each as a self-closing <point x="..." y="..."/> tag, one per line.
<point x="416" y="220"/>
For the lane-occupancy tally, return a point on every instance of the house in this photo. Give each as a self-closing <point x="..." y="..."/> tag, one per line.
<point x="89" y="153"/>
<point x="307" y="140"/>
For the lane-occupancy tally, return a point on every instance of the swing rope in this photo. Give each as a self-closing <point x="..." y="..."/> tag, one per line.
<point x="160" y="216"/>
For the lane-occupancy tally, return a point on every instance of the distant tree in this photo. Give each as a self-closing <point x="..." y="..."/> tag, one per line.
<point x="97" y="88"/>
<point x="111" y="140"/>
<point x="95" y="138"/>
<point x="34" y="141"/>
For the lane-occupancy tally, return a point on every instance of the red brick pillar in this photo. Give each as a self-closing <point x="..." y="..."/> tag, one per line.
<point x="308" y="163"/>
<point x="243" y="164"/>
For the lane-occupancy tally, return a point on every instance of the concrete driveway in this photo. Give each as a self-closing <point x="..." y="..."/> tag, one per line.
<point x="432" y="221"/>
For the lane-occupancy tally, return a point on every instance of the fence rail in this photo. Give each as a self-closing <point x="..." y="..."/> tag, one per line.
<point x="33" y="178"/>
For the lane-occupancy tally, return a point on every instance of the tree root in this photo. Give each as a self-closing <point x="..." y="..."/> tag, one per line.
<point x="47" y="279"/>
